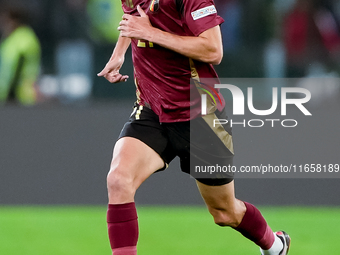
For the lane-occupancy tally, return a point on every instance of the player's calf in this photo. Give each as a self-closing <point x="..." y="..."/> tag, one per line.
<point x="225" y="218"/>
<point x="123" y="230"/>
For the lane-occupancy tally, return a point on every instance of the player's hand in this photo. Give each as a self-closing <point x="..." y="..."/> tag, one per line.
<point x="111" y="71"/>
<point x="136" y="27"/>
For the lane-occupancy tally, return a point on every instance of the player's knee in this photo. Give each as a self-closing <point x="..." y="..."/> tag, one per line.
<point x="224" y="218"/>
<point x="119" y="182"/>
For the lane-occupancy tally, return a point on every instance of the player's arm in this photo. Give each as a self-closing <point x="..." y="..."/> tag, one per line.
<point x="111" y="70"/>
<point x="207" y="47"/>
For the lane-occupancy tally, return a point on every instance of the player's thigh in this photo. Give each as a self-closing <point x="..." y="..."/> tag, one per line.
<point x="134" y="161"/>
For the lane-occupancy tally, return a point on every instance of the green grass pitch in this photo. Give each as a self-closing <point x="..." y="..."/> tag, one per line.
<point x="163" y="231"/>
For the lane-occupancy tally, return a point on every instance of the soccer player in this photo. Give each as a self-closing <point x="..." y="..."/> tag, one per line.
<point x="172" y="42"/>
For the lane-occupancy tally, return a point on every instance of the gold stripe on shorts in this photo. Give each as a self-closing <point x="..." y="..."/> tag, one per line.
<point x="219" y="130"/>
<point x="139" y="112"/>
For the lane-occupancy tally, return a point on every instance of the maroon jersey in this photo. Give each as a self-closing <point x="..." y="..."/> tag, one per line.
<point x="163" y="76"/>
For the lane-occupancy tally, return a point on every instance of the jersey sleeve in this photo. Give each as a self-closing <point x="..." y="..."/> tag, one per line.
<point x="200" y="15"/>
<point x="130" y="6"/>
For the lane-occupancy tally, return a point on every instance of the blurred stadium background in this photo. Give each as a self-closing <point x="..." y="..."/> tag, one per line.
<point x="54" y="156"/>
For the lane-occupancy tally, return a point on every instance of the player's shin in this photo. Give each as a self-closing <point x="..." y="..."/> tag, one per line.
<point x="123" y="228"/>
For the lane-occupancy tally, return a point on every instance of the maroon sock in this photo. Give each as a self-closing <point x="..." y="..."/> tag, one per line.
<point x="254" y="227"/>
<point x="123" y="228"/>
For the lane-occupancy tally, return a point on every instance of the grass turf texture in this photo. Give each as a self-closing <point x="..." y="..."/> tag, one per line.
<point x="163" y="231"/>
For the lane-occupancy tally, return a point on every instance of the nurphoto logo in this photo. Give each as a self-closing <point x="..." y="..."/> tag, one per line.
<point x="239" y="105"/>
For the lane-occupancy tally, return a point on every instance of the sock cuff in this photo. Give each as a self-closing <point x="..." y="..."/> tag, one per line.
<point x="117" y="213"/>
<point x="268" y="239"/>
<point x="129" y="250"/>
